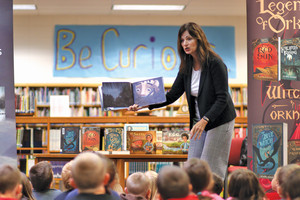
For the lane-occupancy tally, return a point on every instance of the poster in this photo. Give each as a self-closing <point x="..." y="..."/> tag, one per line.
<point x="275" y="101"/>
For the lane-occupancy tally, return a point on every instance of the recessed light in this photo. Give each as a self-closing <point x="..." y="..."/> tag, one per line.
<point x="24" y="7"/>
<point x="149" y="7"/>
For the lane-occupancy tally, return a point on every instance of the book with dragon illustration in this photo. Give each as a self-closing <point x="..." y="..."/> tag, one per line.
<point x="90" y="139"/>
<point x="289" y="65"/>
<point x="113" y="138"/>
<point x="141" y="142"/>
<point x="70" y="139"/>
<point x="269" y="148"/>
<point x="265" y="59"/>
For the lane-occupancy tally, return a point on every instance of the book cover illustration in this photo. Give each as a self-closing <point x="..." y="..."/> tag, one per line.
<point x="113" y="138"/>
<point x="2" y="103"/>
<point x="142" y="142"/>
<point x="289" y="59"/>
<point x="269" y="148"/>
<point x="265" y="59"/>
<point x="147" y="92"/>
<point x="70" y="137"/>
<point x="116" y="95"/>
<point x="90" y="139"/>
<point x="294" y="152"/>
<point x="133" y="127"/>
<point x="121" y="95"/>
<point x="294" y="147"/>
<point x="175" y="142"/>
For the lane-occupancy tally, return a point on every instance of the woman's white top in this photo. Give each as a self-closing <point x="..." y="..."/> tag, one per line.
<point x="196" y="75"/>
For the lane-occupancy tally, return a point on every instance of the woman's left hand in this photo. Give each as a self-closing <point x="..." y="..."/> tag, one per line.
<point x="198" y="129"/>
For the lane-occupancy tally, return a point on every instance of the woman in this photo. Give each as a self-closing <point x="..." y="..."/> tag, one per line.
<point x="203" y="77"/>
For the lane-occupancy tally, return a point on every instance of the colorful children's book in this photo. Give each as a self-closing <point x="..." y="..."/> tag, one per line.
<point x="133" y="127"/>
<point x="141" y="142"/>
<point x="70" y="137"/>
<point x="121" y="95"/>
<point x="175" y="141"/>
<point x="113" y="138"/>
<point x="269" y="148"/>
<point x="90" y="139"/>
<point x="294" y="152"/>
<point x="289" y="65"/>
<point x="265" y="59"/>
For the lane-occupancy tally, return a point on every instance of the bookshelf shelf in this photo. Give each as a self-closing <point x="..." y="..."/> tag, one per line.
<point x="33" y="148"/>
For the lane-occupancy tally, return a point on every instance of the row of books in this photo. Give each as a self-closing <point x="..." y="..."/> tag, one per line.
<point x="239" y="96"/>
<point x="276" y="59"/>
<point x="30" y="138"/>
<point x="133" y="139"/>
<point x="90" y="96"/>
<point x="25" y="103"/>
<point x="241" y="113"/>
<point x="240" y="132"/>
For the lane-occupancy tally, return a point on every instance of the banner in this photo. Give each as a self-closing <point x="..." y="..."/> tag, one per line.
<point x="273" y="77"/>
<point x="129" y="51"/>
<point x="7" y="97"/>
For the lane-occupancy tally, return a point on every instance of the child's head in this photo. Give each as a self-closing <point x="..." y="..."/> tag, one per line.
<point x="10" y="182"/>
<point x="290" y="187"/>
<point x="274" y="182"/>
<point x="66" y="175"/>
<point x="283" y="173"/>
<point x="111" y="168"/>
<point x="26" y="187"/>
<point x="138" y="184"/>
<point x="244" y="184"/>
<point x="218" y="184"/>
<point x="88" y="171"/>
<point x="173" y="182"/>
<point x="152" y="175"/>
<point x="200" y="174"/>
<point x="41" y="176"/>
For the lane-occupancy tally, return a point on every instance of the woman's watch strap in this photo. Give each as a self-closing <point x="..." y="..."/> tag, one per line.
<point x="205" y="118"/>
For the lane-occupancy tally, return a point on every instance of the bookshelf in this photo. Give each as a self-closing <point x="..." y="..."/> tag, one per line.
<point x="33" y="99"/>
<point x="86" y="111"/>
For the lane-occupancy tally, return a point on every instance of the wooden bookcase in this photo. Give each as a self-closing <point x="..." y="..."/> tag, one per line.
<point x="48" y="122"/>
<point x="85" y="100"/>
<point x="85" y="104"/>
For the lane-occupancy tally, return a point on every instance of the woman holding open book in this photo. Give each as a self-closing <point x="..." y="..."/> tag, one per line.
<point x="203" y="77"/>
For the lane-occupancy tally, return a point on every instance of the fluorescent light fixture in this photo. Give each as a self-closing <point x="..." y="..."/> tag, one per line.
<point x="149" y="7"/>
<point x="24" y="7"/>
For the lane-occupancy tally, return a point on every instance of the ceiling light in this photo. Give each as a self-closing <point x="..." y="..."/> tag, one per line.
<point x="149" y="7"/>
<point x="24" y="7"/>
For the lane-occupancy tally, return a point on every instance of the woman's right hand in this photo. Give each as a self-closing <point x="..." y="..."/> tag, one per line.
<point x="136" y="107"/>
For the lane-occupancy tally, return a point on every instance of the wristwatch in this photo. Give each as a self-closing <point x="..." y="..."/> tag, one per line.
<point x="205" y="118"/>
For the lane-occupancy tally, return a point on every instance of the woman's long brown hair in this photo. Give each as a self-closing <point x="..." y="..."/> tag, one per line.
<point x="203" y="50"/>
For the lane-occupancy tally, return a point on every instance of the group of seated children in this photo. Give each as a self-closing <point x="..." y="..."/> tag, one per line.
<point x="92" y="176"/>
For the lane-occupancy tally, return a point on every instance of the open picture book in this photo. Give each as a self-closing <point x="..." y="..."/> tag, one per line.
<point x="121" y="95"/>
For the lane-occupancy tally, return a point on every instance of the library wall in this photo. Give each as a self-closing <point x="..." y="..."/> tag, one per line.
<point x="33" y="42"/>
